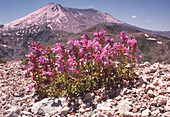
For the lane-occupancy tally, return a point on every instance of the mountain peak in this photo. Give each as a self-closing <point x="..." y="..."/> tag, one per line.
<point x="53" y="5"/>
<point x="60" y="18"/>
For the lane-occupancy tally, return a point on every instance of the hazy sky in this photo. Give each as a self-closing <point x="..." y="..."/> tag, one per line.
<point x="148" y="14"/>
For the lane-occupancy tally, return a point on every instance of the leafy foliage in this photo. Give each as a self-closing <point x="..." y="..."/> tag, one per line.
<point x="3" y="60"/>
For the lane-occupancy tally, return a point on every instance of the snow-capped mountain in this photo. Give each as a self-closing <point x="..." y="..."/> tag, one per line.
<point x="61" y="18"/>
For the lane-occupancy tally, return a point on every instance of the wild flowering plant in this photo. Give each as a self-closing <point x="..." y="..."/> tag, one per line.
<point x="88" y="65"/>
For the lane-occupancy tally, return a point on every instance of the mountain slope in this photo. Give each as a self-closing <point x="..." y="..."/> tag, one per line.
<point x="57" y="17"/>
<point x="12" y="43"/>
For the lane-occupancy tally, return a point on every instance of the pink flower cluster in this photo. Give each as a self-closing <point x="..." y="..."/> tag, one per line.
<point x="86" y="58"/>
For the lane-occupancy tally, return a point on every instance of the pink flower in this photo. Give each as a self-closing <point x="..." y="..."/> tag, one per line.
<point x="107" y="38"/>
<point x="83" y="42"/>
<point x="96" y="39"/>
<point x="101" y="32"/>
<point x="28" y="70"/>
<point x="76" y="43"/>
<point x="95" y="34"/>
<point x="138" y="57"/>
<point x="60" y="66"/>
<point x="31" y="86"/>
<point x="89" y="45"/>
<point x="84" y="58"/>
<point x="134" y="41"/>
<point x="82" y="50"/>
<point x="47" y="73"/>
<point x="71" y="42"/>
<point x="59" y="56"/>
<point x="129" y="55"/>
<point x="71" y="61"/>
<point x="74" y="70"/>
<point x="107" y="47"/>
<point x="85" y="37"/>
<point x="116" y="45"/>
<point x="129" y="42"/>
<point x="34" y="50"/>
<point x="42" y="59"/>
<point x="123" y="33"/>
<point x="111" y="40"/>
<point x="43" y="51"/>
<point x="31" y="55"/>
<point x="97" y="46"/>
<point x="135" y="50"/>
<point x="59" y="48"/>
<point x="30" y="63"/>
<point x="124" y="38"/>
<point x="25" y="67"/>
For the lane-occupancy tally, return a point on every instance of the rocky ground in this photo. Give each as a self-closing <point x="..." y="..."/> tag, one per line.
<point x="149" y="97"/>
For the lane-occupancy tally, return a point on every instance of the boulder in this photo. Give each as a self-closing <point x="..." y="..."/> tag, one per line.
<point x="48" y="105"/>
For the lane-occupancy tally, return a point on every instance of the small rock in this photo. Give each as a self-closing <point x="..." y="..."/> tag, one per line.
<point x="88" y="104"/>
<point x="167" y="108"/>
<point x="65" y="110"/>
<point x="147" y="64"/>
<point x="150" y="87"/>
<point x="47" y="105"/>
<point x="143" y="85"/>
<point x="110" y="114"/>
<point x="168" y="103"/>
<point x="168" y="83"/>
<point x="161" y="109"/>
<point x="80" y="101"/>
<point x="166" y="114"/>
<point x="129" y="114"/>
<point x="167" y="90"/>
<point x="162" y="100"/>
<point x="124" y="106"/>
<point x="153" y="103"/>
<point x="146" y="77"/>
<point x="81" y="110"/>
<point x="155" y="113"/>
<point x="26" y="113"/>
<point x="61" y="101"/>
<point x="88" y="109"/>
<point x="137" y="114"/>
<point x="152" y="69"/>
<point x="112" y="93"/>
<point x="134" y="110"/>
<point x="99" y="115"/>
<point x="14" y="112"/>
<point x="122" y="93"/>
<point x="152" y="108"/>
<point x="156" y="65"/>
<point x="118" y="98"/>
<point x="146" y="113"/>
<point x="150" y="94"/>
<point x="89" y="96"/>
<point x="83" y="106"/>
<point x="18" y="94"/>
<point x="155" y="81"/>
<point x="98" y="98"/>
<point x="102" y="107"/>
